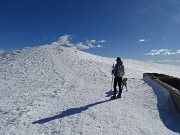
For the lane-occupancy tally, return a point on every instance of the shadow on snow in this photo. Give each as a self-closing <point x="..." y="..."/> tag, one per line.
<point x="69" y="112"/>
<point x="167" y="112"/>
<point x="109" y="93"/>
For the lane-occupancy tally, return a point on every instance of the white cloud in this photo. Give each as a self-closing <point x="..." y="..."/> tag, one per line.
<point x="150" y="60"/>
<point x="54" y="43"/>
<point x="102" y="41"/>
<point x="178" y="51"/>
<point x="163" y="52"/>
<point x="91" y="43"/>
<point x="99" y="46"/>
<point x="66" y="41"/>
<point x="166" y="61"/>
<point x="81" y="46"/>
<point x="175" y="62"/>
<point x="143" y="40"/>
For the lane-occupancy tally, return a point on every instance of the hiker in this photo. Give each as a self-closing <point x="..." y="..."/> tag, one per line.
<point x="118" y="73"/>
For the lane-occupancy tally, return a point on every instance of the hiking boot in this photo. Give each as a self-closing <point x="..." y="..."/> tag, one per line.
<point x="113" y="97"/>
<point x="118" y="96"/>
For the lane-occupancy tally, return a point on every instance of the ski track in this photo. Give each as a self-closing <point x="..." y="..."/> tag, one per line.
<point x="58" y="90"/>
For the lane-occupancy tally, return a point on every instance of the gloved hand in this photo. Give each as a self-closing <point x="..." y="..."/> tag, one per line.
<point x="112" y="72"/>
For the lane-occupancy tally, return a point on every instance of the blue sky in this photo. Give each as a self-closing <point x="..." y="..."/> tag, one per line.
<point x="133" y="29"/>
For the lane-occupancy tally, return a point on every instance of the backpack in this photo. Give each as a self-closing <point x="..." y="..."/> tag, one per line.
<point x="121" y="72"/>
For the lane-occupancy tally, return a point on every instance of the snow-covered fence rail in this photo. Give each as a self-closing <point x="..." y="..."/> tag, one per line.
<point x="170" y="83"/>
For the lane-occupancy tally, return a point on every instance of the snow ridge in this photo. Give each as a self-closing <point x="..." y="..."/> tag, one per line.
<point x="56" y="90"/>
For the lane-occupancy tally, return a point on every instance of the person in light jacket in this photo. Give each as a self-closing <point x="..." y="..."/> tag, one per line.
<point x="118" y="77"/>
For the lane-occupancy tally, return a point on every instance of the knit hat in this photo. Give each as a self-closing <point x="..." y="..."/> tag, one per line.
<point x="118" y="59"/>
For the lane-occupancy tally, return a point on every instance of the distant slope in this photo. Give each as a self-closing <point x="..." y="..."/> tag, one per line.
<point x="56" y="90"/>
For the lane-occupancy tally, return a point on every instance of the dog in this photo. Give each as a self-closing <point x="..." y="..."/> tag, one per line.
<point x="124" y="83"/>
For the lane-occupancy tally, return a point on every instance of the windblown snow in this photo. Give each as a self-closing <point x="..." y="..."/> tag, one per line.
<point x="56" y="90"/>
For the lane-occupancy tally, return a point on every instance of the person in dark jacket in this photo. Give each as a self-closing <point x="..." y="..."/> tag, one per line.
<point x="117" y="77"/>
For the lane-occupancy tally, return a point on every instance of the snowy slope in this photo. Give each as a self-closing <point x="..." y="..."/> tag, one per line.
<point x="56" y="90"/>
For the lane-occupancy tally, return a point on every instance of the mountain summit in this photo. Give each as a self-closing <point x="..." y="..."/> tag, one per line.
<point x="57" y="90"/>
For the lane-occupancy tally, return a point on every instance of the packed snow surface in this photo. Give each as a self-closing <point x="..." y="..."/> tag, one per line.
<point x="56" y="90"/>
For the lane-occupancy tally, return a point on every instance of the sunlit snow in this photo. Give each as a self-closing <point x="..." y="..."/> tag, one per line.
<point x="56" y="90"/>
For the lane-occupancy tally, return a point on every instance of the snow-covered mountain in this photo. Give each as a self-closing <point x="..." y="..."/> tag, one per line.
<point x="56" y="90"/>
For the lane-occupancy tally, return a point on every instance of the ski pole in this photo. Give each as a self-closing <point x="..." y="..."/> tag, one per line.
<point x="112" y="77"/>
